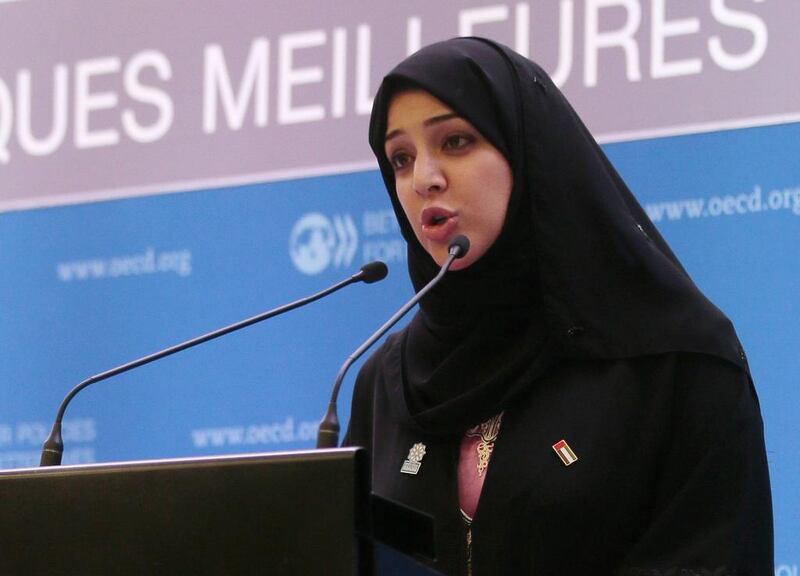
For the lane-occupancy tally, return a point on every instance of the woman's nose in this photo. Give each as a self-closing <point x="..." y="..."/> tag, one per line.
<point x="428" y="175"/>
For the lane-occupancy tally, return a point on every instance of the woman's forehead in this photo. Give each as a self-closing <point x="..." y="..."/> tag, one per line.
<point x="411" y="107"/>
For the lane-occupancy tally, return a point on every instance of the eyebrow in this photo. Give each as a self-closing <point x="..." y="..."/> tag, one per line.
<point x="429" y="122"/>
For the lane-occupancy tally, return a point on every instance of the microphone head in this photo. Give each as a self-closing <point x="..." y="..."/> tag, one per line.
<point x="373" y="272"/>
<point x="459" y="246"/>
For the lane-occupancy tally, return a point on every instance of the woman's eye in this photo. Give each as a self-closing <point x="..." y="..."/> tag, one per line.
<point x="400" y="160"/>
<point x="457" y="141"/>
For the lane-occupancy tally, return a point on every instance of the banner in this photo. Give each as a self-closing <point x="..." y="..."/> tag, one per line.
<point x="163" y="90"/>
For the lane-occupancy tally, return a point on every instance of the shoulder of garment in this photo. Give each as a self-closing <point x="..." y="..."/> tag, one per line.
<point x="671" y="476"/>
<point x="712" y="512"/>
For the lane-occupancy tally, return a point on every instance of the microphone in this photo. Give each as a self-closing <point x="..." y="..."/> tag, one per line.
<point x="53" y="447"/>
<point x="328" y="434"/>
<point x="370" y="273"/>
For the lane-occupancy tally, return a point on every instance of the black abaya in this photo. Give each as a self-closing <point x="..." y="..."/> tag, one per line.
<point x="670" y="478"/>
<point x="579" y="323"/>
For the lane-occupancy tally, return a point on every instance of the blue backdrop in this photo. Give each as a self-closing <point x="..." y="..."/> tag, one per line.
<point x="86" y="287"/>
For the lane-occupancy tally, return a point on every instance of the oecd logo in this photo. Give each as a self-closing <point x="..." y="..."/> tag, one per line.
<point x="317" y="241"/>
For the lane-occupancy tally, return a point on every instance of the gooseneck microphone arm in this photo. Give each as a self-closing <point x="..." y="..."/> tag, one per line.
<point x="328" y="434"/>
<point x="53" y="447"/>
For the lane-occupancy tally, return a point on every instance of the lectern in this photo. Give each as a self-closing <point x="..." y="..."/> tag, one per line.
<point x="293" y="513"/>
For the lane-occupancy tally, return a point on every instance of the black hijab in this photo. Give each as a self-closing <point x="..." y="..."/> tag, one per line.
<point x="578" y="271"/>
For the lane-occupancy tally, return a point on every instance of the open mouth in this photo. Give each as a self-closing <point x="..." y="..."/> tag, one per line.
<point x="434" y="217"/>
<point x="438" y="224"/>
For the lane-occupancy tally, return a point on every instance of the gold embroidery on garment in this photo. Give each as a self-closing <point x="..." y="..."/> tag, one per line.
<point x="487" y="432"/>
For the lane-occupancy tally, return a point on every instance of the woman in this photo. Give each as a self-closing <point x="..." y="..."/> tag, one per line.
<point x="565" y="401"/>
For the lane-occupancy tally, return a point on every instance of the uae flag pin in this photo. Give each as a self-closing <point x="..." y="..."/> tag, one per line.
<point x="565" y="452"/>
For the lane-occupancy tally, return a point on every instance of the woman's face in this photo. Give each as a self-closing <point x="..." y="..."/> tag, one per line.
<point x="450" y="180"/>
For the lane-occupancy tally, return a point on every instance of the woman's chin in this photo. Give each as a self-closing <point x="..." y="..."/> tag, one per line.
<point x="458" y="264"/>
<point x="439" y="252"/>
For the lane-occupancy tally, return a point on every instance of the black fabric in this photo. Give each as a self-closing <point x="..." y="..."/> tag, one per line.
<point x="671" y="477"/>
<point x="557" y="325"/>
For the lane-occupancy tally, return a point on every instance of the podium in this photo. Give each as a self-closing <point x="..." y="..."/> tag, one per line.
<point x="293" y="513"/>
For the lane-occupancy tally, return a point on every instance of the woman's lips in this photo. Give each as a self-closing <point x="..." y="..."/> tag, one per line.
<point x="438" y="224"/>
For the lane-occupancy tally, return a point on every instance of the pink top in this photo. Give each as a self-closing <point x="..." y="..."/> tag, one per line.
<point x="473" y="461"/>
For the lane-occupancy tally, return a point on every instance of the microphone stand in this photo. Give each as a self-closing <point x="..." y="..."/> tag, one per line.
<point x="53" y="447"/>
<point x="328" y="433"/>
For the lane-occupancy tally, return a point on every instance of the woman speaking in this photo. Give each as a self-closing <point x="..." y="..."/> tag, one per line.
<point x="566" y="401"/>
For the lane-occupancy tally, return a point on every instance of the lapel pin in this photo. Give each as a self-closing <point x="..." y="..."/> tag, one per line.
<point x="414" y="461"/>
<point x="565" y="452"/>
